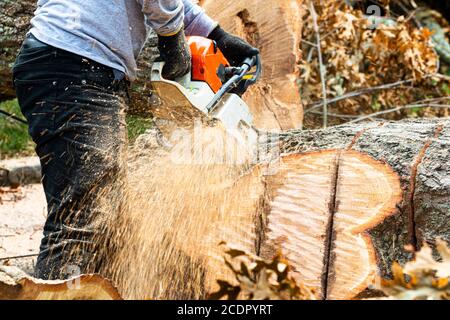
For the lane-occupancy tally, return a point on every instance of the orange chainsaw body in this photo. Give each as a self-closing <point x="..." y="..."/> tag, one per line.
<point x="207" y="61"/>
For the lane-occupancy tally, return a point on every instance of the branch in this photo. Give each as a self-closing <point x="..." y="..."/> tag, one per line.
<point x="20" y="257"/>
<point x="405" y="107"/>
<point x="335" y="115"/>
<point x="321" y="65"/>
<point x="363" y="91"/>
<point x="360" y="92"/>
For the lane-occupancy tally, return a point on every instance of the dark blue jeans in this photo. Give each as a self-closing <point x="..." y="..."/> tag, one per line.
<point x="76" y="114"/>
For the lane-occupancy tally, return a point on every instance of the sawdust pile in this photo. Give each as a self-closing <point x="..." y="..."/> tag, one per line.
<point x="180" y="205"/>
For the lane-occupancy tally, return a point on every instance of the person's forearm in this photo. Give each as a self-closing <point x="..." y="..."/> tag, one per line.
<point x="164" y="16"/>
<point x="196" y="21"/>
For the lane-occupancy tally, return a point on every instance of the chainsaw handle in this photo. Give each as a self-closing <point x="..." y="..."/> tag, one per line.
<point x="254" y="61"/>
<point x="236" y="80"/>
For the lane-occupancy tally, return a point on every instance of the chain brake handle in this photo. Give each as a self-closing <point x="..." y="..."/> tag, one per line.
<point x="248" y="78"/>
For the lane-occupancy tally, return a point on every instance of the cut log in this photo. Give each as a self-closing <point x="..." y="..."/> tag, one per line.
<point x="275" y="28"/>
<point x="16" y="285"/>
<point x="342" y="204"/>
<point x="238" y="227"/>
<point x="390" y="190"/>
<point x="322" y="203"/>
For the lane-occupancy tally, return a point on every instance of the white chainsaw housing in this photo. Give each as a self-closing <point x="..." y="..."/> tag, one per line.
<point x="231" y="110"/>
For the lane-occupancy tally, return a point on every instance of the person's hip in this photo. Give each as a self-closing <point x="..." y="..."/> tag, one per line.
<point x="38" y="61"/>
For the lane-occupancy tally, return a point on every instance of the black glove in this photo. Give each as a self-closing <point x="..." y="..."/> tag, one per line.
<point x="176" y="54"/>
<point x="233" y="48"/>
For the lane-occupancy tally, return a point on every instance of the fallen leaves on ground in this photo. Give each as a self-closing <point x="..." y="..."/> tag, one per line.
<point x="421" y="279"/>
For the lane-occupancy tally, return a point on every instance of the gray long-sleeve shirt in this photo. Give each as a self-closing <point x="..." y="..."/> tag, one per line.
<point x="113" y="32"/>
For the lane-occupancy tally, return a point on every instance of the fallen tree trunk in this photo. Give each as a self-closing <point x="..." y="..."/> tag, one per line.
<point x="343" y="204"/>
<point x="276" y="100"/>
<point x="340" y="204"/>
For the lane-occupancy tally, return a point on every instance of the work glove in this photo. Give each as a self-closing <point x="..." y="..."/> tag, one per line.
<point x="233" y="48"/>
<point x="175" y="52"/>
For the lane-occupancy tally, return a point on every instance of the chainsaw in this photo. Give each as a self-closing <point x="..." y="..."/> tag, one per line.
<point x="211" y="92"/>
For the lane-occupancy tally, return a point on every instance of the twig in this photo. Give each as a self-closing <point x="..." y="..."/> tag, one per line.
<point x="309" y="43"/>
<point x="321" y="65"/>
<point x="408" y="106"/>
<point x="335" y="115"/>
<point x="20" y="257"/>
<point x="360" y="92"/>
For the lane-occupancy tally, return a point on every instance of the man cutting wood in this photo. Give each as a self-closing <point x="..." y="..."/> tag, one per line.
<point x="71" y="78"/>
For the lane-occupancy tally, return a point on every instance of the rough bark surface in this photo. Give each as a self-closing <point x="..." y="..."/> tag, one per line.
<point x="432" y="206"/>
<point x="14" y="23"/>
<point x="275" y="28"/>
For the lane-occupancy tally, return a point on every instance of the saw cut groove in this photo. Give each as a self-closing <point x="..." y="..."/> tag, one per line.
<point x="321" y="206"/>
<point x="330" y="234"/>
<point x="412" y="186"/>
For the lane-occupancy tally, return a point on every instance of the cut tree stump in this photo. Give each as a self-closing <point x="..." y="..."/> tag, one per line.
<point x="275" y="28"/>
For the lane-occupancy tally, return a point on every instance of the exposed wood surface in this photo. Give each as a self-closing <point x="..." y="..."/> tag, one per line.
<point x="340" y="206"/>
<point x="16" y="285"/>
<point x="239" y="228"/>
<point x="322" y="204"/>
<point x="275" y="28"/>
<point x="416" y="151"/>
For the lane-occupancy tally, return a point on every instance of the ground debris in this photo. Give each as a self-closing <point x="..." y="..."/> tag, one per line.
<point x="9" y="194"/>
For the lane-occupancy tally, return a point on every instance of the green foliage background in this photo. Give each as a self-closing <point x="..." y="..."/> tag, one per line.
<point x="14" y="138"/>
